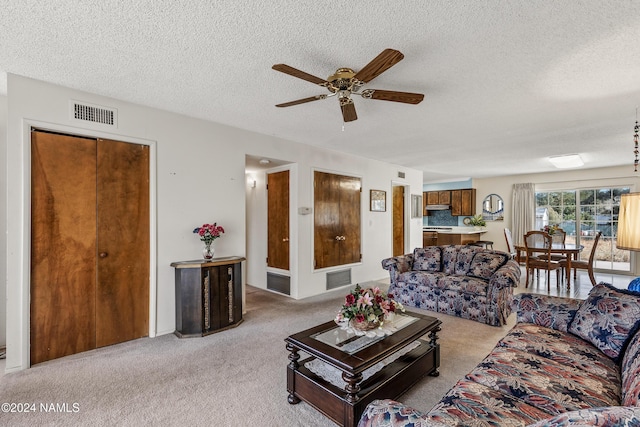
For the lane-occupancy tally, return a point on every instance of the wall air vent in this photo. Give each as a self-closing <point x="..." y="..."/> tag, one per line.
<point x="337" y="279"/>
<point x="279" y="283"/>
<point x="94" y="113"/>
<point x="400" y="174"/>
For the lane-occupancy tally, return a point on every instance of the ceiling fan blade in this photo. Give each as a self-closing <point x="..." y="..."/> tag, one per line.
<point x="302" y="101"/>
<point x="284" y="68"/>
<point x="348" y="111"/>
<point x="391" y="95"/>
<point x="381" y="63"/>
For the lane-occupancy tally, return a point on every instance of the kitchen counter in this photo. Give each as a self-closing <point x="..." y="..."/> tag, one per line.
<point x="455" y="230"/>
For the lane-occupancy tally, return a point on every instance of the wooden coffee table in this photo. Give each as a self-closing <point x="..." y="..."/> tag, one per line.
<point x="407" y="355"/>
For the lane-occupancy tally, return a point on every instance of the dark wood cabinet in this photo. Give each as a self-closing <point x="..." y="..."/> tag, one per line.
<point x="208" y="295"/>
<point x="463" y="202"/>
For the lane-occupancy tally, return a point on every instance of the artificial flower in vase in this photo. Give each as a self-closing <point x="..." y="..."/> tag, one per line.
<point x="478" y="221"/>
<point x="208" y="233"/>
<point x="366" y="309"/>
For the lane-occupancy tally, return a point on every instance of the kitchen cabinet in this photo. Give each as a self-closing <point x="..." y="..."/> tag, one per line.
<point x="208" y="295"/>
<point x="438" y="197"/>
<point x="429" y="238"/>
<point x="463" y="202"/>
<point x="457" y="238"/>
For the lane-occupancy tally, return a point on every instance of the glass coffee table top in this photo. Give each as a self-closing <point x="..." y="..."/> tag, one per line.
<point x="346" y="339"/>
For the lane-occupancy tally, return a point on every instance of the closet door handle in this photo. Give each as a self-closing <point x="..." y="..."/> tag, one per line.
<point x="103" y="255"/>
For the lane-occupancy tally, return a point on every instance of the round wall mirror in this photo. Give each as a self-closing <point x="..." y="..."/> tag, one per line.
<point x="493" y="208"/>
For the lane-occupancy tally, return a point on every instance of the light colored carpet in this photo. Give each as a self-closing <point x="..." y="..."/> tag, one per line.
<point x="232" y="378"/>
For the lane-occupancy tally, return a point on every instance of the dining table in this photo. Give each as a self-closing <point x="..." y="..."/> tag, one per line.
<point x="570" y="250"/>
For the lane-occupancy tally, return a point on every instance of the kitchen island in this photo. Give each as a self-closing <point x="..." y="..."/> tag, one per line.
<point x="432" y="236"/>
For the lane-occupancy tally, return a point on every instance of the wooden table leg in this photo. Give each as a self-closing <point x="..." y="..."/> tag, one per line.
<point x="291" y="368"/>
<point x="569" y="257"/>
<point x="352" y="386"/>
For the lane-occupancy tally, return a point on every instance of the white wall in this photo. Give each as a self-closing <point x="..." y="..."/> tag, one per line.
<point x="199" y="177"/>
<point x="575" y="178"/>
<point x="3" y="221"/>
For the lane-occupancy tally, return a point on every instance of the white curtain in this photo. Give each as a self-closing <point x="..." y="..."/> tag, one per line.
<point x="523" y="214"/>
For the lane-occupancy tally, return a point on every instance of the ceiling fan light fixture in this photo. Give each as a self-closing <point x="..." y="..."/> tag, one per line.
<point x="567" y="161"/>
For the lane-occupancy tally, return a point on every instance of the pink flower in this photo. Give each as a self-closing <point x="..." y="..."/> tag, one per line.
<point x="365" y="299"/>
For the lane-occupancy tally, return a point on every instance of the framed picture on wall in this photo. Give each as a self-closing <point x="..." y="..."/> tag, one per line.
<point x="378" y="200"/>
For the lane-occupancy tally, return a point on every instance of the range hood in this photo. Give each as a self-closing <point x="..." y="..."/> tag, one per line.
<point x="437" y="207"/>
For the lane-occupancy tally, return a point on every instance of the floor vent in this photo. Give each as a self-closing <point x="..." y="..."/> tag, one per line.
<point x="94" y="113"/>
<point x="337" y="279"/>
<point x="279" y="283"/>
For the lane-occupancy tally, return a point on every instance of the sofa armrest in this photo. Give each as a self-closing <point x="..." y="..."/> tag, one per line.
<point x="397" y="265"/>
<point x="545" y="310"/>
<point x="389" y="413"/>
<point x="506" y="276"/>
<point x="600" y="417"/>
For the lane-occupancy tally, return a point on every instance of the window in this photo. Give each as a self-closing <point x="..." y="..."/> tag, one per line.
<point x="581" y="214"/>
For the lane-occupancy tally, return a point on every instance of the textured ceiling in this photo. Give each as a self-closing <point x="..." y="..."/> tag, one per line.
<point x="506" y="83"/>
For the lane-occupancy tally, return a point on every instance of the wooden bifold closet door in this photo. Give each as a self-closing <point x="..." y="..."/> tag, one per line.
<point x="89" y="244"/>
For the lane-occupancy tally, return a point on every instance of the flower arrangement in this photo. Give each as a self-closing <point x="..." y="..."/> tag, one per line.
<point x="367" y="308"/>
<point x="477" y="221"/>
<point x="551" y="229"/>
<point x="209" y="232"/>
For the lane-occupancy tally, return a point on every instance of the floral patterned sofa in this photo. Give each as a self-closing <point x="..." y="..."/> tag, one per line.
<point x="566" y="362"/>
<point x="464" y="281"/>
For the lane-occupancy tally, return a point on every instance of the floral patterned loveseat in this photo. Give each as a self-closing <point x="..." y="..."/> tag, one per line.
<point x="566" y="362"/>
<point x="464" y="281"/>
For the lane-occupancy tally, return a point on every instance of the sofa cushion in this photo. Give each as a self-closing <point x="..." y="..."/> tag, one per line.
<point x="471" y="404"/>
<point x="631" y="373"/>
<point x="549" y="386"/>
<point x="484" y="264"/>
<point x="607" y="318"/>
<point x="457" y="259"/>
<point x="563" y="348"/>
<point x="427" y="259"/>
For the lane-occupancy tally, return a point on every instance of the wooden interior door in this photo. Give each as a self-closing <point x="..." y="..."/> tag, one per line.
<point x="122" y="309"/>
<point x="326" y="220"/>
<point x="349" y="201"/>
<point x="63" y="245"/>
<point x="398" y="220"/>
<point x="278" y="220"/>
<point x="89" y="244"/>
<point x="336" y="219"/>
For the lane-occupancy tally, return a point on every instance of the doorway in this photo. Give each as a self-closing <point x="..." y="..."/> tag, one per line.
<point x="398" y="213"/>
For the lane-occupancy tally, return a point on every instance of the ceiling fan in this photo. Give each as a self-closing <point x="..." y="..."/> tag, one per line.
<point x="346" y="82"/>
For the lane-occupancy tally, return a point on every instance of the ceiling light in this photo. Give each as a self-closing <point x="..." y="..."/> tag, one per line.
<point x="568" y="161"/>
<point x="264" y="161"/>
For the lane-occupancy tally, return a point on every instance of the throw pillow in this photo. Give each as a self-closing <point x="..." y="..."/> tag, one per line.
<point x="427" y="259"/>
<point x="608" y="318"/>
<point x="484" y="264"/>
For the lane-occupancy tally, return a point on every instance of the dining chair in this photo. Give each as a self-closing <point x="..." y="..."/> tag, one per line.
<point x="559" y="236"/>
<point x="511" y="248"/>
<point x="538" y="256"/>
<point x="586" y="265"/>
